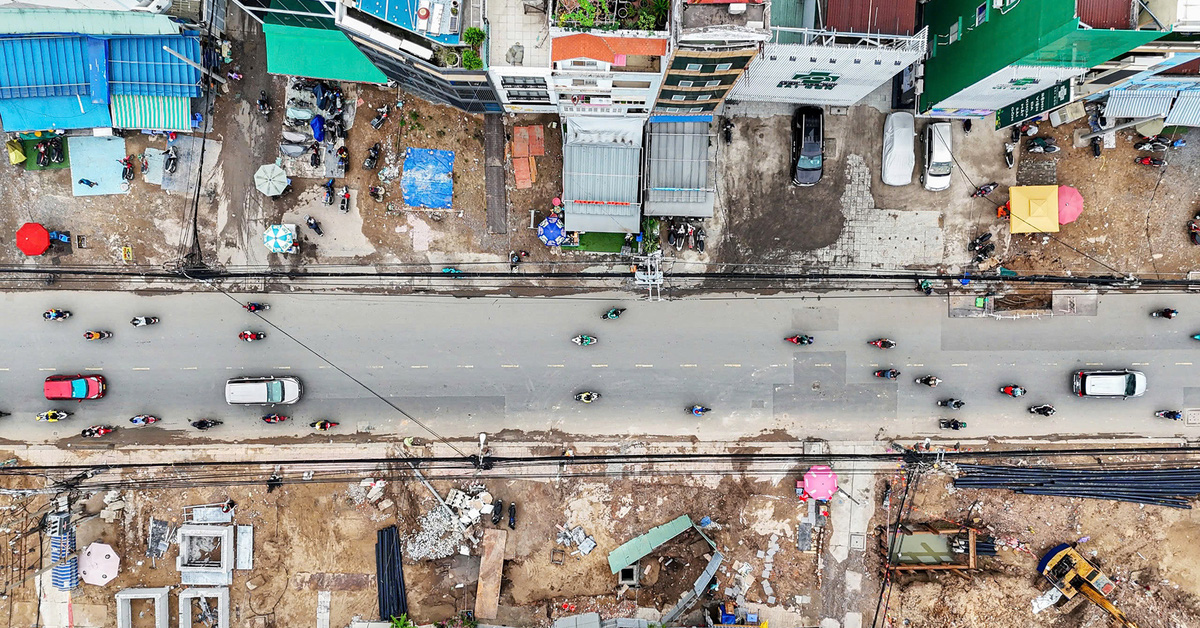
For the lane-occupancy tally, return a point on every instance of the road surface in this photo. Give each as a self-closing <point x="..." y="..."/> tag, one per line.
<point x="463" y="366"/>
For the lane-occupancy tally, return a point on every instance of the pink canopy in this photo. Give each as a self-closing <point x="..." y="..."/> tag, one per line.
<point x="1070" y="204"/>
<point x="820" y="482"/>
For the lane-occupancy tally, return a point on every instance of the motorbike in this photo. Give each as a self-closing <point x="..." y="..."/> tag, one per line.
<point x="984" y="190"/>
<point x="1045" y="409"/>
<point x="328" y="192"/>
<point x="127" y="167"/>
<point x="53" y="416"/>
<point x="251" y="336"/>
<point x="321" y="95"/>
<point x="322" y="425"/>
<point x="1166" y="313"/>
<point x="681" y="232"/>
<point x="951" y="403"/>
<point x="144" y="419"/>
<point x="1194" y="229"/>
<point x="671" y="233"/>
<point x="583" y="340"/>
<point x="612" y="314"/>
<point x="142" y="321"/>
<point x="1009" y="150"/>
<point x="1149" y="161"/>
<point x="343" y="158"/>
<point x="966" y="126"/>
<point x="727" y="130"/>
<point x="96" y="335"/>
<point x="1153" y="145"/>
<point x="800" y="340"/>
<point x="1028" y="129"/>
<point x="264" y="105"/>
<point x="274" y="418"/>
<point x="302" y="84"/>
<point x="985" y="252"/>
<point x="1175" y="415"/>
<point x="587" y="396"/>
<point x="314" y="225"/>
<point x="204" y="424"/>
<point x="381" y="114"/>
<point x="345" y="204"/>
<point x="929" y="380"/>
<point x="55" y="148"/>
<point x="1042" y="145"/>
<point x="882" y="343"/>
<point x="170" y="160"/>
<point x="951" y="424"/>
<point x="372" y="159"/>
<point x="56" y="315"/>
<point x="96" y="431"/>
<point x="700" y="239"/>
<point x="43" y="157"/>
<point x="497" y="511"/>
<point x="1012" y="390"/>
<point x="512" y="516"/>
<point x="698" y="410"/>
<point x="1096" y="144"/>
<point x="377" y="192"/>
<point x="255" y="307"/>
<point x="887" y="373"/>
<point x="145" y="161"/>
<point x="924" y="286"/>
<point x="691" y="237"/>
<point x="979" y="241"/>
<point x="314" y="160"/>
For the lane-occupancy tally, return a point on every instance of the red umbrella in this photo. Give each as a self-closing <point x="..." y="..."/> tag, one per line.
<point x="1070" y="204"/>
<point x="33" y="239"/>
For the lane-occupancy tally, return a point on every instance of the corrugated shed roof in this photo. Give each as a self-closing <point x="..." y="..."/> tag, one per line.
<point x="27" y="21"/>
<point x="138" y="66"/>
<point x="52" y="112"/>
<point x="43" y="66"/>
<point x="1105" y="13"/>
<point x="678" y="181"/>
<point x="1139" y="103"/>
<point x="635" y="549"/>
<point x="1189" y="67"/>
<point x="1186" y="110"/>
<point x="604" y="49"/>
<point x="890" y="17"/>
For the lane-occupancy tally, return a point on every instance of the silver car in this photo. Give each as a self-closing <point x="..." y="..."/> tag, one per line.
<point x="262" y="391"/>
<point x="1109" y="384"/>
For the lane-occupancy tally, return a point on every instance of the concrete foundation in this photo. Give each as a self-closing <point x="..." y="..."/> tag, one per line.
<point x="196" y="564"/>
<point x="217" y="597"/>
<point x="161" y="609"/>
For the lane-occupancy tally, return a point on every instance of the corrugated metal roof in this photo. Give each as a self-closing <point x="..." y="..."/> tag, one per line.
<point x="1139" y="103"/>
<point x="635" y="549"/>
<point x="85" y="22"/>
<point x="890" y="17"/>
<point x="138" y="66"/>
<point x="605" y="177"/>
<point x="52" y="113"/>
<point x="1186" y="111"/>
<point x="41" y="66"/>
<point x="678" y="181"/>
<point x="1190" y="67"/>
<point x="1105" y="13"/>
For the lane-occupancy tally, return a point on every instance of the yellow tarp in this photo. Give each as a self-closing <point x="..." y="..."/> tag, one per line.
<point x="16" y="154"/>
<point x="1034" y="209"/>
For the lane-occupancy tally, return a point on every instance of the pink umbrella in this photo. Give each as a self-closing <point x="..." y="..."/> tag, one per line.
<point x="99" y="564"/>
<point x="820" y="482"/>
<point x="1070" y="204"/>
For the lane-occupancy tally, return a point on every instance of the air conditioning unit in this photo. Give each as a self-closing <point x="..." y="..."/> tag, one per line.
<point x="737" y="8"/>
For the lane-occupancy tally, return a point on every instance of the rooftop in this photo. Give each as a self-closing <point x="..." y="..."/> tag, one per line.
<point x="519" y="28"/>
<point x="437" y="20"/>
<point x="613" y="50"/>
<point x="1116" y="14"/>
<point x="86" y="22"/>
<point x="643" y="15"/>
<point x="894" y="17"/>
<point x="704" y="14"/>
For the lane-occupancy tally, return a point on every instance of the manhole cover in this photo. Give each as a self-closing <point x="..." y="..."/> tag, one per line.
<point x="858" y="542"/>
<point x="1191" y="416"/>
<point x="816" y="386"/>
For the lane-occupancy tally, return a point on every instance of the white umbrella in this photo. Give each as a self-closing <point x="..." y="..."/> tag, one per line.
<point x="280" y="238"/>
<point x="270" y="180"/>
<point x="99" y="564"/>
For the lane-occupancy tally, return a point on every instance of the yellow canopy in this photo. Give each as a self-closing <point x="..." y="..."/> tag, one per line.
<point x="1034" y="209"/>
<point x="16" y="154"/>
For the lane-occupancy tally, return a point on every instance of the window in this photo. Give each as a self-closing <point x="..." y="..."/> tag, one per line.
<point x="631" y="84"/>
<point x="678" y="97"/>
<point x="693" y="67"/>
<point x="696" y="109"/>
<point x="583" y="82"/>
<point x="528" y="95"/>
<point x="686" y="83"/>
<point x="522" y="81"/>
<point x="981" y="14"/>
<point x="578" y="63"/>
<point x="673" y="109"/>
<point x="721" y="67"/>
<point x="704" y="97"/>
<point x="712" y="83"/>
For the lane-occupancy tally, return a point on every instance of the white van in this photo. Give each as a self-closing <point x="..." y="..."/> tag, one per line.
<point x="262" y="391"/>
<point x="938" y="161"/>
<point x="899" y="153"/>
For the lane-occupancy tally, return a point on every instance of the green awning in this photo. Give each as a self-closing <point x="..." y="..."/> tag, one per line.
<point x="290" y="50"/>
<point x="154" y="113"/>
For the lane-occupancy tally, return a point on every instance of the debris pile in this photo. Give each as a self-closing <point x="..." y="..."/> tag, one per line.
<point x="469" y="506"/>
<point x="577" y="537"/>
<point x="438" y="537"/>
<point x="113" y="504"/>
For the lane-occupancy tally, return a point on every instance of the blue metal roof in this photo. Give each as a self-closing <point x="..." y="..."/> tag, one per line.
<point x="403" y="13"/>
<point x="39" y="66"/>
<point x="138" y="66"/>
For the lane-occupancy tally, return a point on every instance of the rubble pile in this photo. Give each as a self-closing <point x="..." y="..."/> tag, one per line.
<point x="577" y="537"/>
<point x="469" y="506"/>
<point x="438" y="537"/>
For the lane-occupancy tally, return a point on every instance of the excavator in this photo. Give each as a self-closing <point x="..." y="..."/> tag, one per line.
<point x="1071" y="574"/>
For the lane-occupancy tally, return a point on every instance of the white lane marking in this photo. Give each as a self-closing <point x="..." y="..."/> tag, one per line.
<point x="416" y="366"/>
<point x="599" y="366"/>
<point x="141" y="368"/>
<point x="324" y="366"/>
<point x="688" y="366"/>
<point x="963" y="364"/>
<point x="1141" y="364"/>
<point x="188" y="368"/>
<point x="3" y="369"/>
<point x="734" y="366"/>
<point x="1183" y="364"/>
<point x="643" y="366"/>
<point x="93" y="368"/>
<point x="1098" y="363"/>
<point x="556" y="366"/>
<point x="466" y="366"/>
<point x="914" y="365"/>
<point x="286" y="368"/>
<point x="48" y="369"/>
<point x="510" y="366"/>
<point x="824" y="364"/>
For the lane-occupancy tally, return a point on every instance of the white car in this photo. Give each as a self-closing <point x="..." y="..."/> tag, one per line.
<point x="1109" y="384"/>
<point x="262" y="391"/>
<point x="939" y="162"/>
<point x="899" y="154"/>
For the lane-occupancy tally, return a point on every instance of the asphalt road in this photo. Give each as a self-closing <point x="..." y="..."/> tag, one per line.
<point x="463" y="366"/>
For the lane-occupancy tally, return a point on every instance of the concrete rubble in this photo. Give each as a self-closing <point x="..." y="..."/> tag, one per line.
<point x="113" y="504"/>
<point x="577" y="537"/>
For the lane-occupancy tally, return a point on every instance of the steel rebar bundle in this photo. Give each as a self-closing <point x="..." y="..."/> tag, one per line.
<point x="1174" y="488"/>
<point x="389" y="574"/>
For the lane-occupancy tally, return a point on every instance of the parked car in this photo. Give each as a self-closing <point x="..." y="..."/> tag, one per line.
<point x="262" y="391"/>
<point x="77" y="387"/>
<point x="1110" y="384"/>
<point x="939" y="162"/>
<point x="808" y="146"/>
<point x="899" y="153"/>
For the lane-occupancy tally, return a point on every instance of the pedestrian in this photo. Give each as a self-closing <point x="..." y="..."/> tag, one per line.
<point x="234" y="76"/>
<point x="90" y="184"/>
<point x="513" y="260"/>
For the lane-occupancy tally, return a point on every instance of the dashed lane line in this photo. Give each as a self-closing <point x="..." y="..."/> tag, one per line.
<point x="141" y="368"/>
<point x="1094" y="364"/>
<point x="1183" y="364"/>
<point x="189" y="368"/>
<point x="963" y="364"/>
<point x="466" y="366"/>
<point x="510" y="366"/>
<point x="556" y="366"/>
<point x="599" y="366"/>
<point x="93" y="368"/>
<point x="49" y="369"/>
<point x="417" y="366"/>
<point x="915" y="365"/>
<point x="688" y="366"/>
<point x="734" y="366"/>
<point x="643" y="366"/>
<point x="286" y="368"/>
<point x="824" y="364"/>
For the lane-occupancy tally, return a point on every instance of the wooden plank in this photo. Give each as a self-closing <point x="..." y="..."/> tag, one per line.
<point x="537" y="141"/>
<point x="521" y="141"/>
<point x="521" y="174"/>
<point x="532" y="170"/>
<point x="491" y="568"/>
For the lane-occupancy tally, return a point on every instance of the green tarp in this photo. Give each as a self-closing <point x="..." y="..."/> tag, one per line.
<point x="153" y="113"/>
<point x="290" y="51"/>
<point x="636" y="549"/>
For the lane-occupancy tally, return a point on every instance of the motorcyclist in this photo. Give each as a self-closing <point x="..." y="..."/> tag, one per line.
<point x="700" y="410"/>
<point x="587" y="396"/>
<point x="1171" y="414"/>
<point x="929" y="380"/>
<point x="249" y="336"/>
<point x="274" y="418"/>
<point x="143" y="419"/>
<point x="1044" y="409"/>
<point x="800" y="340"/>
<point x="54" y="315"/>
<point x="954" y="404"/>
<point x="93" y="335"/>
<point x="584" y="340"/>
<point x="53" y="415"/>
<point x="142" y="321"/>
<point x="953" y="424"/>
<point x="254" y="307"/>
<point x="888" y="374"/>
<point x="1168" y="313"/>
<point x="323" y="425"/>
<point x="204" y="424"/>
<point x="613" y="313"/>
<point x="883" y="343"/>
<point x="1012" y="390"/>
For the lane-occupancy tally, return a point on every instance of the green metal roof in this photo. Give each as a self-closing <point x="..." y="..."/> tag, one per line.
<point x="290" y="51"/>
<point x="636" y="549"/>
<point x="85" y="22"/>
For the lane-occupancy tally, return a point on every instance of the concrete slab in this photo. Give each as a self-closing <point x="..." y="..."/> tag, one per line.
<point x="245" y="548"/>
<point x="97" y="159"/>
<point x="217" y="598"/>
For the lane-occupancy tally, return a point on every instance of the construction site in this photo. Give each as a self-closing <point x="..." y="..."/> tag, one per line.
<point x="824" y="536"/>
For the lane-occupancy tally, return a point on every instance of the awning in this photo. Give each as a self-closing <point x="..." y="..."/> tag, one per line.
<point x="153" y="113"/>
<point x="1034" y="209"/>
<point x="1139" y="103"/>
<point x="1186" y="111"/>
<point x="290" y="50"/>
<point x="52" y="113"/>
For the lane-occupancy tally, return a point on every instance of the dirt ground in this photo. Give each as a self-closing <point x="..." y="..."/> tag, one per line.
<point x="1150" y="552"/>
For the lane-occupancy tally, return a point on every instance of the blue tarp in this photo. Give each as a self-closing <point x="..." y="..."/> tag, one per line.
<point x="52" y="112"/>
<point x="426" y="181"/>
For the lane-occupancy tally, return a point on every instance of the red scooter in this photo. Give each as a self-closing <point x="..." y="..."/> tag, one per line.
<point x="800" y="340"/>
<point x="274" y="418"/>
<point x="883" y="343"/>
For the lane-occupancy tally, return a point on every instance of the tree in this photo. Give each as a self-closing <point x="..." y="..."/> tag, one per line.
<point x="471" y="60"/>
<point x="474" y="37"/>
